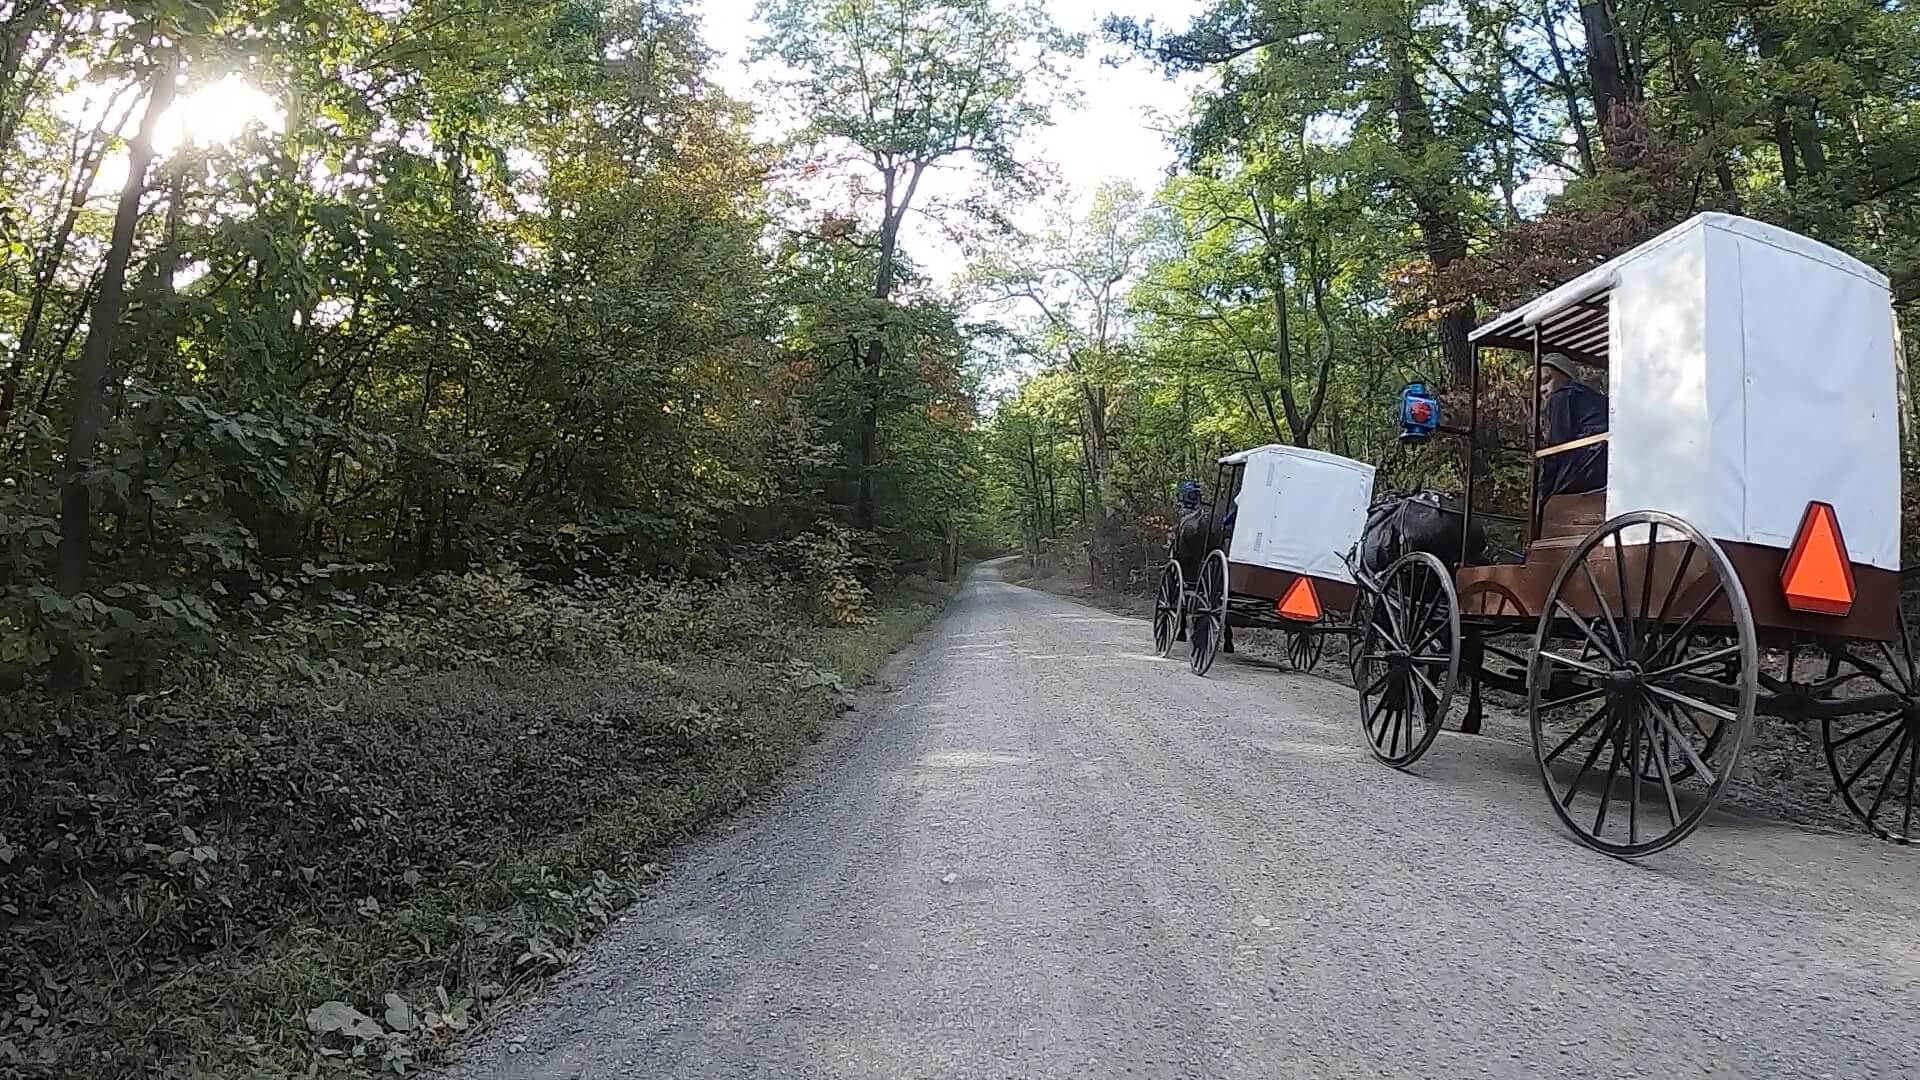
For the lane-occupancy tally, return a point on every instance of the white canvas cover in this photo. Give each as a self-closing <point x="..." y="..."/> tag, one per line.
<point x="1299" y="510"/>
<point x="1752" y="371"/>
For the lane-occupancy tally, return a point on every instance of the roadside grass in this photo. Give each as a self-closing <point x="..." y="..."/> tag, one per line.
<point x="378" y="866"/>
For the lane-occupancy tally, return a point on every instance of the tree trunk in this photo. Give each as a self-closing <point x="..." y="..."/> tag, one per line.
<point x="1033" y="488"/>
<point x="1609" y="76"/>
<point x="893" y="215"/>
<point x="20" y="28"/>
<point x="46" y="268"/>
<point x="1439" y="220"/>
<point x="1581" y="140"/>
<point x="1767" y="43"/>
<point x="72" y="560"/>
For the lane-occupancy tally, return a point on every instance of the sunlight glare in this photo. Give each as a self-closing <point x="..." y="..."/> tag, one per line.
<point x="217" y="114"/>
<point x="214" y="115"/>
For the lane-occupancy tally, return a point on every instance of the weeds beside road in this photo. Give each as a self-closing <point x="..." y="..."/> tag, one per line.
<point x="348" y="868"/>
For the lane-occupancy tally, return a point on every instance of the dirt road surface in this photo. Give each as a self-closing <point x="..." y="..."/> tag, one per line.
<point x="1036" y="850"/>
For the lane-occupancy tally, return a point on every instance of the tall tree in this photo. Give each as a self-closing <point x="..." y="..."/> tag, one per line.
<point x="896" y="89"/>
<point x="1067" y="288"/>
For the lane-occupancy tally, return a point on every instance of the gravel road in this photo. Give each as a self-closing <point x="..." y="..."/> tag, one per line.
<point x="1036" y="850"/>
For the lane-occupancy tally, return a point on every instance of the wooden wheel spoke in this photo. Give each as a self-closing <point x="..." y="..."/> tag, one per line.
<point x="1633" y="780"/>
<point x="1605" y="709"/>
<point x="1646" y="576"/>
<point x="1622" y="645"/>
<point x="1913" y="765"/>
<point x="1573" y="699"/>
<point x="1426" y="683"/>
<point x="1632" y="641"/>
<point x="1863" y="732"/>
<point x="1880" y="796"/>
<point x="1658" y="655"/>
<point x="1578" y="665"/>
<point x="1660" y="763"/>
<point x="1385" y="628"/>
<point x="1676" y="715"/>
<point x="1673" y="587"/>
<point x="1867" y="762"/>
<point x="1379" y="708"/>
<point x="1613" y="769"/>
<point x="1912" y="677"/>
<point x="1686" y="746"/>
<point x="1587" y="632"/>
<point x="1703" y="660"/>
<point x="1427" y="621"/>
<point x="1593" y="755"/>
<point x="1433" y="633"/>
<point x="1694" y="703"/>
<point x="1408" y="625"/>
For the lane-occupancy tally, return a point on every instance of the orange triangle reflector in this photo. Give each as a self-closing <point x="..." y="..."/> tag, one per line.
<point x="1301" y="602"/>
<point x="1818" y="576"/>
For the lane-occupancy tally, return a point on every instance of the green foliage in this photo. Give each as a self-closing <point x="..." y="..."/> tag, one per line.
<point x="477" y="494"/>
<point x="1363" y="181"/>
<point x="492" y="288"/>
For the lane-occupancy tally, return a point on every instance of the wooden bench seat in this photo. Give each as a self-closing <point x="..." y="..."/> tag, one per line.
<point x="1565" y="519"/>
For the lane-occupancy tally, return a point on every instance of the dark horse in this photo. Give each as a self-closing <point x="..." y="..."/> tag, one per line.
<point x="1434" y="523"/>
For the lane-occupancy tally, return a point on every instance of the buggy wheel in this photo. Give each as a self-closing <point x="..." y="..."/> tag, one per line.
<point x="1168" y="600"/>
<point x="1874" y="755"/>
<point x="1209" y="624"/>
<point x="1406" y="659"/>
<point x="1640" y="708"/>
<point x="1303" y="650"/>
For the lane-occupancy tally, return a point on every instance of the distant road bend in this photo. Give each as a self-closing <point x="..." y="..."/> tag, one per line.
<point x="1038" y="851"/>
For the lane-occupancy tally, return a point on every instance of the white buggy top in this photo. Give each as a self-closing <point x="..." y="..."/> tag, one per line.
<point x="1299" y="510"/>
<point x="1750" y="371"/>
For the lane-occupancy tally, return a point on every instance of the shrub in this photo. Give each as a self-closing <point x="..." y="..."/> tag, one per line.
<point x="366" y="756"/>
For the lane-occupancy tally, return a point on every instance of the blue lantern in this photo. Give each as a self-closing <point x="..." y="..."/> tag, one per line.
<point x="1419" y="412"/>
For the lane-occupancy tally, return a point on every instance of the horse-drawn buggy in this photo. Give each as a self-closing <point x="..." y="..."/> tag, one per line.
<point x="1267" y="553"/>
<point x="1741" y="556"/>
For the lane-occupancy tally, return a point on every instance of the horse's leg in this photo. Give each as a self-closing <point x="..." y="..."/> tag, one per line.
<point x="1475" y="652"/>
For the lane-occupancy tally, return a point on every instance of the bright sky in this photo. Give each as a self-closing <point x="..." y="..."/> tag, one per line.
<point x="1116" y="133"/>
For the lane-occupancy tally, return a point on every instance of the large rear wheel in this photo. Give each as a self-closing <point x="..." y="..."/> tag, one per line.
<point x="1209" y="618"/>
<point x="1642" y="683"/>
<point x="1407" y="657"/>
<point x="1169" y="598"/>
<point x="1875" y="754"/>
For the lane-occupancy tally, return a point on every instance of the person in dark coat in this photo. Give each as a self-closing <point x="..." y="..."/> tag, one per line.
<point x="1569" y="410"/>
